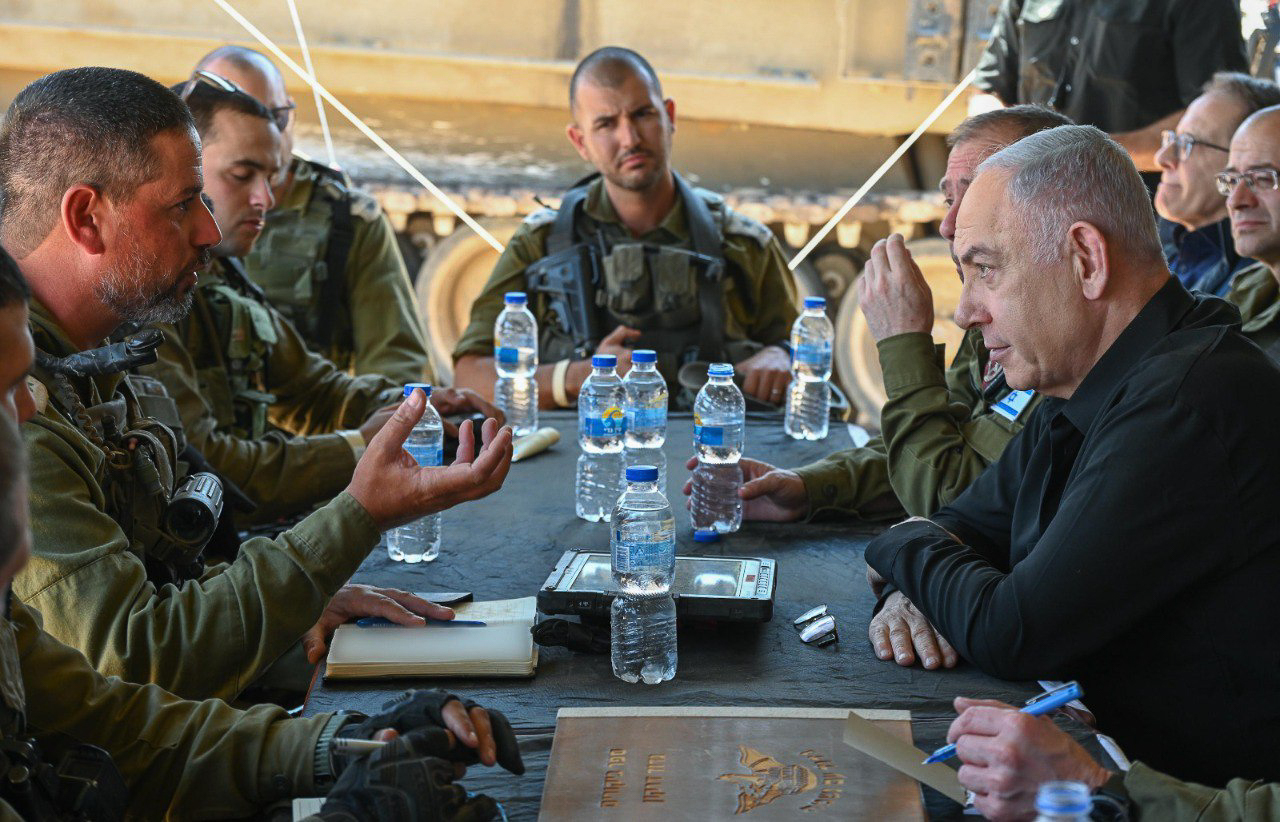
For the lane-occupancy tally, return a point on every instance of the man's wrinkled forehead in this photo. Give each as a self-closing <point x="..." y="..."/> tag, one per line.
<point x="966" y="156"/>
<point x="978" y="219"/>
<point x="1256" y="145"/>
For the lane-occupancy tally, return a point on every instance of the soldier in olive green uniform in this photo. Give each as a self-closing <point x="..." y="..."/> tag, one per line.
<point x="328" y="258"/>
<point x="941" y="427"/>
<point x="637" y="258"/>
<point x="1256" y="293"/>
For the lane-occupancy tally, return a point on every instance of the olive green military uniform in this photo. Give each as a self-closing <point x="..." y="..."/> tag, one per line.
<point x="1255" y="292"/>
<point x="1158" y="797"/>
<point x="759" y="296"/>
<point x="377" y="324"/>
<point x="261" y="407"/>
<point x="180" y="759"/>
<point x="940" y="430"/>
<point x="95" y="574"/>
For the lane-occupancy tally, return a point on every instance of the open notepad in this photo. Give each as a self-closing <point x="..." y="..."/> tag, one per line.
<point x="502" y="647"/>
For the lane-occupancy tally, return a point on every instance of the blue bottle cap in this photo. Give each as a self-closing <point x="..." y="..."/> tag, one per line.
<point x="642" y="473"/>
<point x="604" y="361"/>
<point x="644" y="355"/>
<point x="720" y="369"/>
<point x="515" y="298"/>
<point x="815" y="302"/>
<point x="426" y="388"/>
<point x="706" y="535"/>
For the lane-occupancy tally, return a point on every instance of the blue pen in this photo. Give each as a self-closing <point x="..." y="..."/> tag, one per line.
<point x="368" y="622"/>
<point x="1045" y="703"/>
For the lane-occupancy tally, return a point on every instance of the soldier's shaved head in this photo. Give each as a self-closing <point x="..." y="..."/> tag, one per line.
<point x="610" y="67"/>
<point x="242" y="59"/>
<point x="254" y="72"/>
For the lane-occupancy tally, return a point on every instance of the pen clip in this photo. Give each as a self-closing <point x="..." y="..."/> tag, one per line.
<point x="1050" y="694"/>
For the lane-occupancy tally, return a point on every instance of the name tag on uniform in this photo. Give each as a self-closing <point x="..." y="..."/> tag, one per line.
<point x="1013" y="404"/>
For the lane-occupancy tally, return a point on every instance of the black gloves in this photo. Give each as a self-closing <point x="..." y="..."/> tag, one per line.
<point x="408" y="780"/>
<point x="423" y="709"/>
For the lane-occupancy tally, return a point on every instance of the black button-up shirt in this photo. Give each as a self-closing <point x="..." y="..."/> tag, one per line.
<point x="1129" y="538"/>
<point x="1119" y="65"/>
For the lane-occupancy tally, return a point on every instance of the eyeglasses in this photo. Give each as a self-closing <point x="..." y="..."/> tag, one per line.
<point x="1185" y="143"/>
<point x="817" y="627"/>
<point x="281" y="115"/>
<point x="1261" y="179"/>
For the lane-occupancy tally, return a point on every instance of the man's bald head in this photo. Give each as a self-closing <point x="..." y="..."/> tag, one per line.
<point x="1255" y="211"/>
<point x="610" y="67"/>
<point x="254" y="72"/>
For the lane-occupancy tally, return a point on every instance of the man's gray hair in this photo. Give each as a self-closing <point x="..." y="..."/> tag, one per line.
<point x="1071" y="174"/>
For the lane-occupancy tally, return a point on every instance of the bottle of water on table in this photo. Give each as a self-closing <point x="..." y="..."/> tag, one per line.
<point x="515" y="354"/>
<point x="646" y="409"/>
<point x="809" y="395"/>
<point x="601" y="425"/>
<point x="719" y="422"/>
<point x="643" y="614"/>
<point x="419" y="541"/>
<point x="1063" y="802"/>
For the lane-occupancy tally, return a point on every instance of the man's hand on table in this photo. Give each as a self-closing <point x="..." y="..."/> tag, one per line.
<point x="902" y="633"/>
<point x="893" y="293"/>
<point x="1006" y="755"/>
<point x="459" y="401"/>
<point x="768" y="494"/>
<point x="394" y="489"/>
<point x="353" y="601"/>
<point x="766" y="374"/>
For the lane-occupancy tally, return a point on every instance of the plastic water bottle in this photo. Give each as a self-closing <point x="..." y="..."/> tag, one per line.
<point x="419" y="541"/>
<point x="515" y="349"/>
<point x="1063" y="802"/>
<point x="601" y="425"/>
<point x="719" y="422"/>
<point x="646" y="409"/>
<point x="809" y="395"/>
<point x="643" y="614"/>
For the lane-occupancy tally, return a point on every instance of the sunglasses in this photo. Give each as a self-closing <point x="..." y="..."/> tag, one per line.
<point x="817" y="627"/>
<point x="281" y="115"/>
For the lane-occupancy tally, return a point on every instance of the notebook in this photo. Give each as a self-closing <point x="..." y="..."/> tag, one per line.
<point x="502" y="647"/>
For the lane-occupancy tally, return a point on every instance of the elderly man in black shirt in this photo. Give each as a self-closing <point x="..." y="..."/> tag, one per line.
<point x="1129" y="537"/>
<point x="1129" y="67"/>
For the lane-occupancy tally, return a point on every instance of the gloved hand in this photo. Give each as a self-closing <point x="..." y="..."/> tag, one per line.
<point x="408" y="780"/>
<point x="484" y="735"/>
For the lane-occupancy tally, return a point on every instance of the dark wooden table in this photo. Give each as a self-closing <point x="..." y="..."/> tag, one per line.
<point x="506" y="545"/>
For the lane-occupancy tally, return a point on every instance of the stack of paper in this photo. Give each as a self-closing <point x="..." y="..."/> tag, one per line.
<point x="502" y="647"/>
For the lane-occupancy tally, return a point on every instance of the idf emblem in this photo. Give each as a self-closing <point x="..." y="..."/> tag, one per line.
<point x="769" y="780"/>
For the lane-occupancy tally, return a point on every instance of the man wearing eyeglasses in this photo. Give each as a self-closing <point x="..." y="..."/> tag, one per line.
<point x="1250" y="185"/>
<point x="1194" y="227"/>
<point x="327" y="257"/>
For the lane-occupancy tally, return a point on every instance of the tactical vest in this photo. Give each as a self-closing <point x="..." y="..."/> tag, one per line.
<point x="301" y="262"/>
<point x="674" y="297"/>
<point x="238" y="324"/>
<point x="141" y="469"/>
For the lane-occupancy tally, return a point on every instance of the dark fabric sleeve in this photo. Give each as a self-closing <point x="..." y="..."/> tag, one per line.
<point x="1206" y="39"/>
<point x="1095" y="557"/>
<point x="998" y="67"/>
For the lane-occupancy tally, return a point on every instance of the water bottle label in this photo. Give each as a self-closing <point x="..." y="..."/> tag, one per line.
<point x="612" y="422"/>
<point x="508" y="356"/>
<point x="708" y="434"/>
<point x="425" y="454"/>
<point x="643" y="551"/>
<point x="814" y="354"/>
<point x="646" y="418"/>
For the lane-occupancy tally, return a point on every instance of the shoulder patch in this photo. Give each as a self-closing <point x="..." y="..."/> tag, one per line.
<point x="364" y="206"/>
<point x="738" y="223"/>
<point x="539" y="218"/>
<point x="39" y="393"/>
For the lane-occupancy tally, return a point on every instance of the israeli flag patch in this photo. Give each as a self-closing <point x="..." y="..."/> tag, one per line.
<point x="1013" y="404"/>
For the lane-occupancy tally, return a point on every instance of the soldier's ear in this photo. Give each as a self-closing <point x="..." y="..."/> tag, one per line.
<point x="670" y="106"/>
<point x="83" y="209"/>
<point x="575" y="135"/>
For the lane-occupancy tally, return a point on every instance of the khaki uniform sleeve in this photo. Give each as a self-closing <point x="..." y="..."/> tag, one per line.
<point x="775" y="297"/>
<point x="314" y="396"/>
<point x="208" y="637"/>
<point x="180" y="759"/>
<point x="266" y="469"/>
<point x="939" y="434"/>
<point x="1156" y="796"/>
<point x="853" y="482"/>
<point x="385" y="317"/>
<point x="526" y="247"/>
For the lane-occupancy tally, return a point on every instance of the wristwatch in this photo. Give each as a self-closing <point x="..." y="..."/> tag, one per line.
<point x="323" y="773"/>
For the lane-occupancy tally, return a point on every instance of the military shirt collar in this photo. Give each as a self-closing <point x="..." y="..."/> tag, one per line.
<point x="674" y="228"/>
<point x="1162" y="313"/>
<point x="50" y="338"/>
